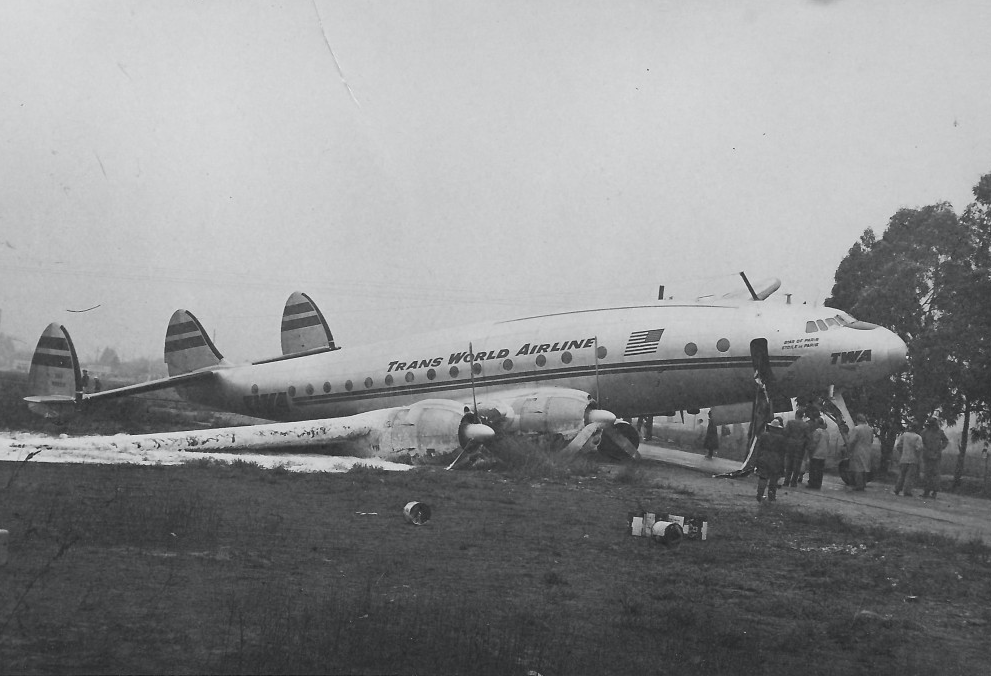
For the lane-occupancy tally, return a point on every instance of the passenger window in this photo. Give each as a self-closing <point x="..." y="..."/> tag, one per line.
<point x="810" y="327"/>
<point x="822" y="325"/>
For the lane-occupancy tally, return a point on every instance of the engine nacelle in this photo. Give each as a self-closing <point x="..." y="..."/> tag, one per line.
<point x="426" y="430"/>
<point x="547" y="411"/>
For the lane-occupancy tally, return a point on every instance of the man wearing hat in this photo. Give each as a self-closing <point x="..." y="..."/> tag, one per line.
<point x="933" y="443"/>
<point x="770" y="459"/>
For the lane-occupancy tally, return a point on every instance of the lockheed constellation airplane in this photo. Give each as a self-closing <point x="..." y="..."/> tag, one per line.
<point x="566" y="378"/>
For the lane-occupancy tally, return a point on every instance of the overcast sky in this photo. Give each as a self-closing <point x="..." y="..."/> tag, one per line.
<point x="420" y="164"/>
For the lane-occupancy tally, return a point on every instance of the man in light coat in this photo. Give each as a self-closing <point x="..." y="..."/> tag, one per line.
<point x="818" y="452"/>
<point x="909" y="444"/>
<point x="860" y="441"/>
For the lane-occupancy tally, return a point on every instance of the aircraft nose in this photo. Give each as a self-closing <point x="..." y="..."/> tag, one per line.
<point x="897" y="352"/>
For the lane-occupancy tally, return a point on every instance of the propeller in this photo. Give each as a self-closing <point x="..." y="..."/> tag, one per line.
<point x="472" y="433"/>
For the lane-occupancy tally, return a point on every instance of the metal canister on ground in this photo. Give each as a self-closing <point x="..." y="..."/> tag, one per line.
<point x="416" y="513"/>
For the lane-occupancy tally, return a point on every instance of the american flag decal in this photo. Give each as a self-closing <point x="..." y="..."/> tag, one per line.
<point x="643" y="342"/>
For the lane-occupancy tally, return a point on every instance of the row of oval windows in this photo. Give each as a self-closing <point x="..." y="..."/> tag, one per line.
<point x="691" y="349"/>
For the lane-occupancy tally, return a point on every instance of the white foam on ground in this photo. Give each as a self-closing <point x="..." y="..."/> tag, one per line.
<point x="16" y="446"/>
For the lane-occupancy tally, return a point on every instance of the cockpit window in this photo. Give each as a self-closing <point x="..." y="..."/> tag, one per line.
<point x="822" y="325"/>
<point x="862" y="326"/>
<point x="810" y="327"/>
<point x="830" y="321"/>
<point x="844" y="318"/>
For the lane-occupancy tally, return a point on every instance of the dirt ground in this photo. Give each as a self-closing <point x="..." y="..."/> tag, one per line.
<point x="963" y="517"/>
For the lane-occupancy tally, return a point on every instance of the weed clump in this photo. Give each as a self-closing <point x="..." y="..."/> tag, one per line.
<point x="524" y="458"/>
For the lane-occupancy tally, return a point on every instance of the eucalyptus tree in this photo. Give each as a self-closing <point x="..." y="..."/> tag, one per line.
<point x="905" y="280"/>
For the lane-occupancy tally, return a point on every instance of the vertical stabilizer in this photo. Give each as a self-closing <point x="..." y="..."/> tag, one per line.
<point x="54" y="367"/>
<point x="304" y="328"/>
<point x="187" y="346"/>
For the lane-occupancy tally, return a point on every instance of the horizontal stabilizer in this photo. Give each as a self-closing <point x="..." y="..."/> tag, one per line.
<point x="187" y="346"/>
<point x="151" y="386"/>
<point x="304" y="329"/>
<point x="51" y="405"/>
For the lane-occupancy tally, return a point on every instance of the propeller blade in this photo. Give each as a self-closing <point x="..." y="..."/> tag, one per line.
<point x="623" y="443"/>
<point x="582" y="438"/>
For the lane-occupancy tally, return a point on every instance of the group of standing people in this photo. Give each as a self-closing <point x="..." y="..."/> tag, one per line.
<point x="783" y="449"/>
<point x="923" y="449"/>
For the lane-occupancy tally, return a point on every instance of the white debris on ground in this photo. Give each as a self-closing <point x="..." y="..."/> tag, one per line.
<point x="16" y="446"/>
<point x="832" y="549"/>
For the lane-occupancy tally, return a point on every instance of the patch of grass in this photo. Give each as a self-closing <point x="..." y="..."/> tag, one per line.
<point x="631" y="473"/>
<point x="360" y="469"/>
<point x="530" y="458"/>
<point x="206" y="569"/>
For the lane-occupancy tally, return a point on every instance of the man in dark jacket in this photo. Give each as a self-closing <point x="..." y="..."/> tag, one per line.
<point x="711" y="443"/>
<point x="933" y="442"/>
<point x="770" y="459"/>
<point x="796" y="442"/>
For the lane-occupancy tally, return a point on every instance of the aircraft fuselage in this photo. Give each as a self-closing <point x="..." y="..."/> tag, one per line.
<point x="635" y="360"/>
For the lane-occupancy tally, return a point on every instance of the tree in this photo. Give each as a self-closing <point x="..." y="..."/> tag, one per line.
<point x="904" y="281"/>
<point x="969" y="319"/>
<point x="109" y="358"/>
<point x="928" y="279"/>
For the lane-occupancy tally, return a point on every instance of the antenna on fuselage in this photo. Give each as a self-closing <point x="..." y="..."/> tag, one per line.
<point x="471" y="375"/>
<point x="749" y="287"/>
<point x="596" y="339"/>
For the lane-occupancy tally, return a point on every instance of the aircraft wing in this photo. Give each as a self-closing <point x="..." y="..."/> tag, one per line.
<point x="418" y="433"/>
<point x="295" y="436"/>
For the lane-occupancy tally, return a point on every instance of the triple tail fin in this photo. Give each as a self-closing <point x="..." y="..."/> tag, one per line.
<point x="54" y="378"/>
<point x="304" y="328"/>
<point x="187" y="346"/>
